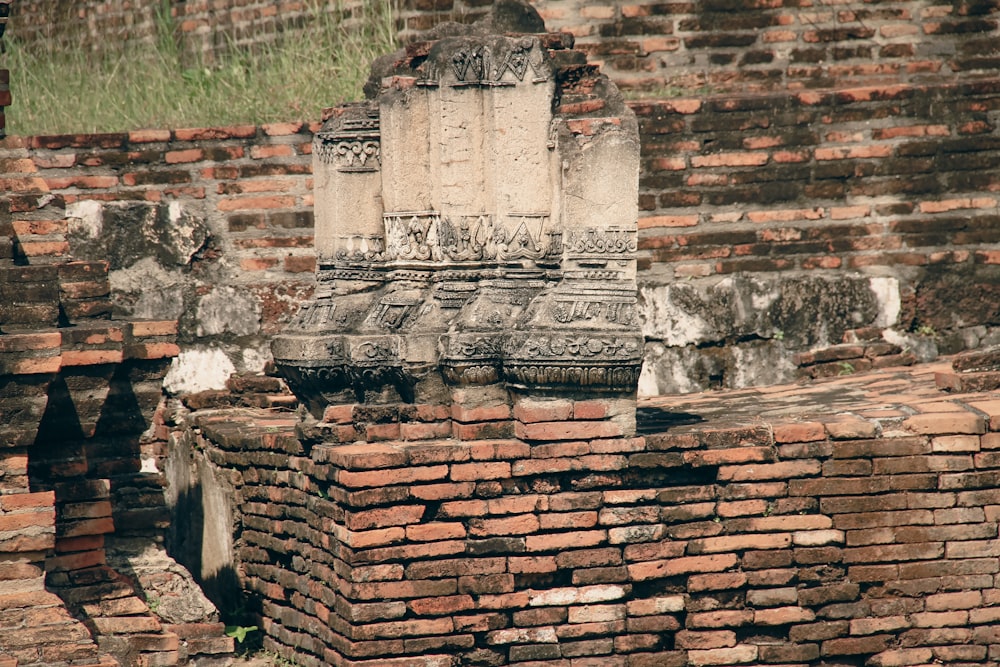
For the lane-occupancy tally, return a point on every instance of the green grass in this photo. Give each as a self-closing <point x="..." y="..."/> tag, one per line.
<point x="155" y="85"/>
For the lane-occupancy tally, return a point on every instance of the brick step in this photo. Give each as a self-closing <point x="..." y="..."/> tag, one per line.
<point x="977" y="360"/>
<point x="967" y="382"/>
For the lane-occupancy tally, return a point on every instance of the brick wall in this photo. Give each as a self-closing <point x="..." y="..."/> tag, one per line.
<point x="77" y="392"/>
<point x="204" y="28"/>
<point x="892" y="186"/>
<point x="858" y="533"/>
<point x="645" y="44"/>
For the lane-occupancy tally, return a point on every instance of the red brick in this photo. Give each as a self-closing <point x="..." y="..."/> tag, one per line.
<point x="716" y="582"/>
<point x="301" y="264"/>
<point x="560" y="449"/>
<point x="945" y="423"/>
<point x="482" y="430"/>
<point x="783" y="616"/>
<point x="520" y="524"/>
<point x="734" y="159"/>
<point x="181" y="156"/>
<point x="568" y="520"/>
<point x="688" y="565"/>
<point x="561" y="541"/>
<point x="577" y="430"/>
<point x="212" y="133"/>
<point x="799" y="432"/>
<point x="689" y="639"/>
<point x="429" y="532"/>
<point x="480" y="413"/>
<point x="461" y="472"/>
<point x="950" y="601"/>
<point x="380" y="478"/>
<point x="730" y="543"/>
<point x="714" y="457"/>
<point x="441" y="606"/>
<point x="855" y="645"/>
<point x="385" y="517"/>
<point x="782" y="470"/>
<point x="126" y="625"/>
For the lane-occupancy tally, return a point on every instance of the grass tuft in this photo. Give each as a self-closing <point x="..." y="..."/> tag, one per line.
<point x="155" y="85"/>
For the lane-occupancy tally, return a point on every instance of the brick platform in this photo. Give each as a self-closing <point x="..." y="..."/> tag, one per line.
<point x="843" y="521"/>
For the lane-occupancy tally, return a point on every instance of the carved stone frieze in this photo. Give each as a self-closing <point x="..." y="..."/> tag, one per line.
<point x="607" y="362"/>
<point x="430" y="236"/>
<point x="542" y="376"/>
<point x="466" y="237"/>
<point x="486" y="64"/>
<point x="577" y="346"/>
<point x="353" y="146"/>
<point x="361" y="249"/>
<point x="595" y="309"/>
<point x="595" y="241"/>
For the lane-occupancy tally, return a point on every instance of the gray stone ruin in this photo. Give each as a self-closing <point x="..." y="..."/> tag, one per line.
<point x="475" y="228"/>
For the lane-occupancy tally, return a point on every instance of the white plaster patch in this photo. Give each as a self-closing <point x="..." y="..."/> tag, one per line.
<point x="647" y="381"/>
<point x="85" y="218"/>
<point x="761" y="301"/>
<point x="763" y="364"/>
<point x="886" y="290"/>
<point x="174" y="211"/>
<point x="186" y="233"/>
<point x="227" y="310"/>
<point x="923" y="347"/>
<point x="663" y="320"/>
<point x="255" y="359"/>
<point x="198" y="370"/>
<point x="141" y="276"/>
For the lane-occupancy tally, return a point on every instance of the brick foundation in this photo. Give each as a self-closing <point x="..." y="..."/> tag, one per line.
<point x="862" y="529"/>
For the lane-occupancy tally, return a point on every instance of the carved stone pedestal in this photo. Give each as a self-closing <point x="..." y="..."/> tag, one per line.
<point x="476" y="229"/>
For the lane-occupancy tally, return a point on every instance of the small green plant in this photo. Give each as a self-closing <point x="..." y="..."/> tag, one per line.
<point x="778" y="334"/>
<point x="240" y="632"/>
<point x="926" y="330"/>
<point x="153" y="602"/>
<point x="846" y="368"/>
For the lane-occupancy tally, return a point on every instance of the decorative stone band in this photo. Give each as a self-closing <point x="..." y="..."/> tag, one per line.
<point x="474" y="63"/>
<point x="322" y="368"/>
<point x="599" y="306"/>
<point x="322" y="372"/>
<point x="472" y="358"/>
<point x="585" y="361"/>
<point x="353" y="146"/>
<point x="593" y="241"/>
<point x="552" y="376"/>
<point x="433" y="237"/>
<point x="323" y="383"/>
<point x="582" y="361"/>
<point x="430" y="236"/>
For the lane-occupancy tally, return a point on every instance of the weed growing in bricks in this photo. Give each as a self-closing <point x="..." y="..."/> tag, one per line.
<point x="156" y="84"/>
<point x="240" y="632"/>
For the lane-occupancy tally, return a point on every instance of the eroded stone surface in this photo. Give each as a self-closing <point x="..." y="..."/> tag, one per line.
<point x="475" y="227"/>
